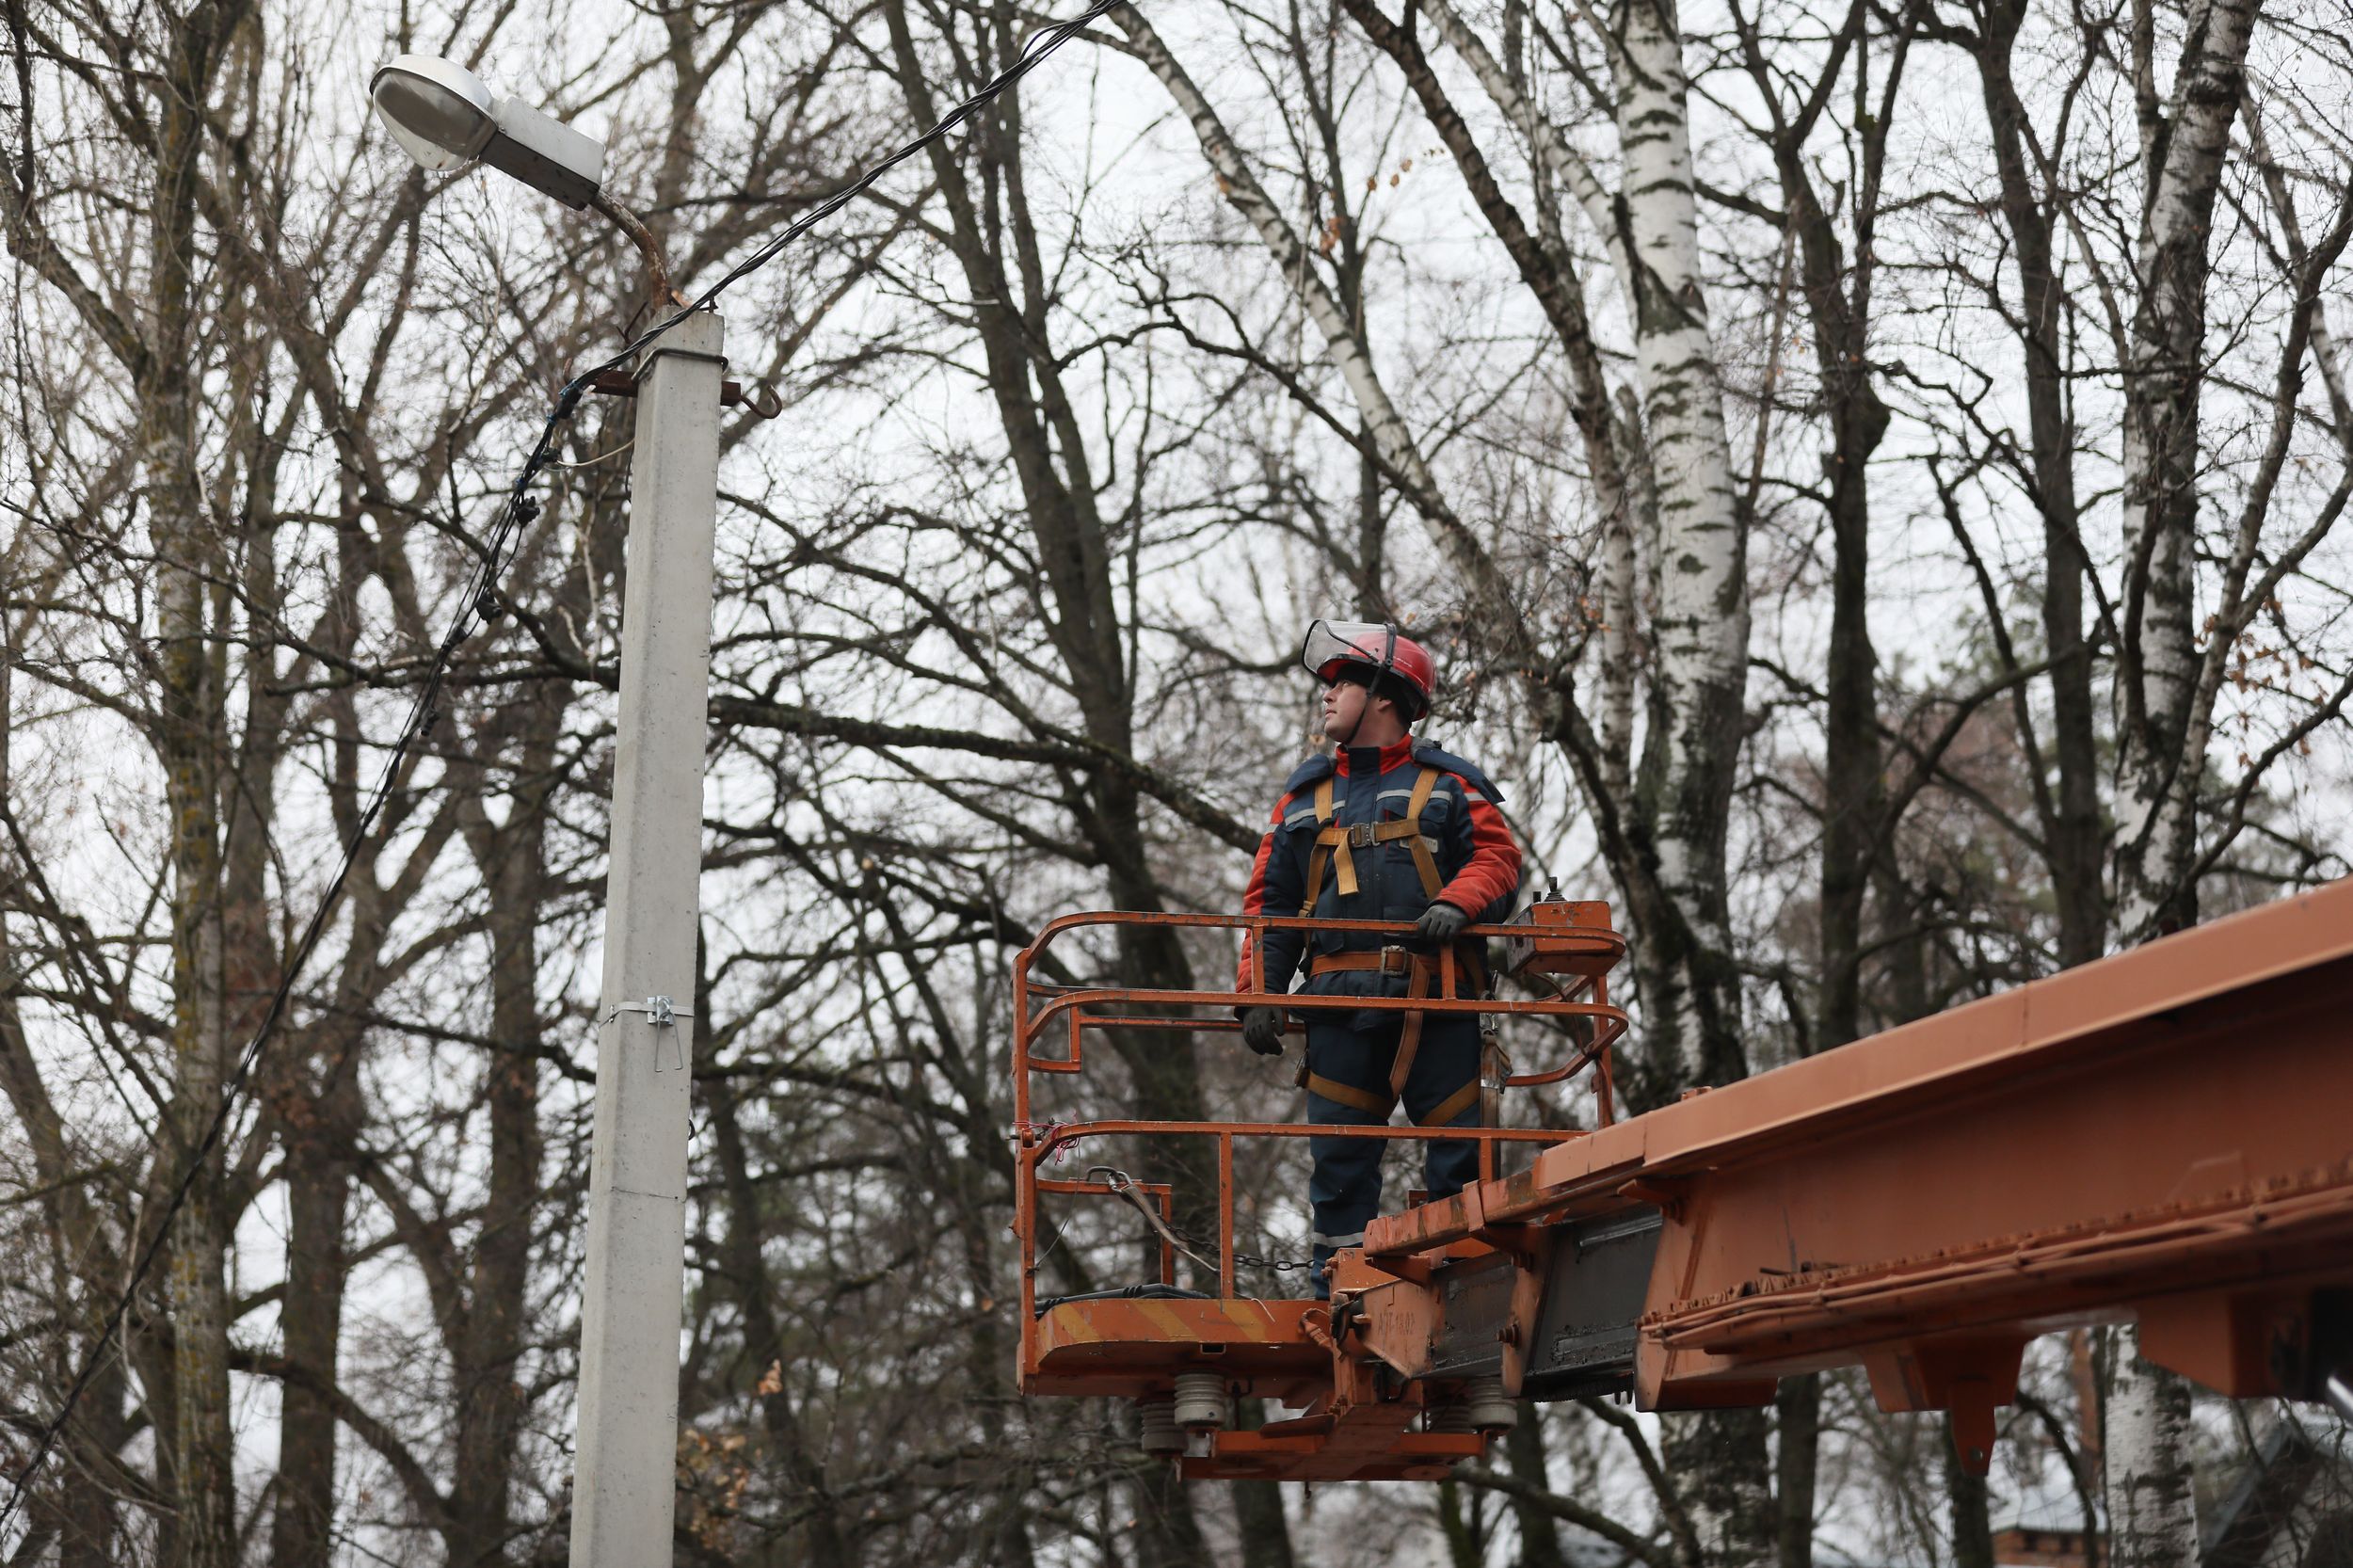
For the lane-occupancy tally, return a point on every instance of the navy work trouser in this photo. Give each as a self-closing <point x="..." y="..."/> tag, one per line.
<point x="1344" y="1191"/>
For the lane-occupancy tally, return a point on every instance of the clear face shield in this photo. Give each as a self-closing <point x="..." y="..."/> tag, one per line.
<point x="1331" y="645"/>
<point x="1355" y="642"/>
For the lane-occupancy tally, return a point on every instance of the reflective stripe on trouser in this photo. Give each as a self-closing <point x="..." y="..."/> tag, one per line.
<point x="1348" y="1084"/>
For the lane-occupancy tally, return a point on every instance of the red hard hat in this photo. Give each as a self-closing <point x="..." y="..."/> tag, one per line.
<point x="1379" y="647"/>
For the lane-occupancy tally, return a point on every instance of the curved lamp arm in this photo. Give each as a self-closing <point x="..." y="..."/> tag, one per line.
<point x="641" y="236"/>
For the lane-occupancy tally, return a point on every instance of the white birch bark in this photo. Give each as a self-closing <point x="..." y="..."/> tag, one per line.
<point x="1650" y="231"/>
<point x="1698" y="649"/>
<point x="1700" y="640"/>
<point x="1620" y="587"/>
<point x="2162" y="752"/>
<point x="1701" y="631"/>
<point x="2153" y="1506"/>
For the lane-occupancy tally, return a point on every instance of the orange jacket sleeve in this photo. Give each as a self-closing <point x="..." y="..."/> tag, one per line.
<point x="1274" y="889"/>
<point x="1489" y="882"/>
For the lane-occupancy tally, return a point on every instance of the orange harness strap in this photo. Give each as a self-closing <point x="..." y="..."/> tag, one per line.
<point x="1322" y="852"/>
<point x="1453" y="1105"/>
<point x="1348" y="1094"/>
<point x="1420" y="969"/>
<point x="1334" y="842"/>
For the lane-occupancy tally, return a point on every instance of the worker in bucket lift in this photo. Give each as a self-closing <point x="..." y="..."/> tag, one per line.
<point x="1386" y="828"/>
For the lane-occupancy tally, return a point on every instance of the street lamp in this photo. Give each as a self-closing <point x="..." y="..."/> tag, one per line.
<point x="444" y="116"/>
<point x="633" y="1293"/>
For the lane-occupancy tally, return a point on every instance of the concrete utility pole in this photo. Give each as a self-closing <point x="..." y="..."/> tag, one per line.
<point x="446" y="118"/>
<point x="622" y="1502"/>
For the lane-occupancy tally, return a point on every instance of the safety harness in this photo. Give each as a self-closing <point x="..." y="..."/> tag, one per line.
<point x="1334" y="844"/>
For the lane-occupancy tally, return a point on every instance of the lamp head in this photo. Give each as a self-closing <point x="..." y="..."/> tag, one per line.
<point x="444" y="115"/>
<point x="437" y="111"/>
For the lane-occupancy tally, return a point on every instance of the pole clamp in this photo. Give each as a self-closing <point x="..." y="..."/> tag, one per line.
<point x="661" y="1012"/>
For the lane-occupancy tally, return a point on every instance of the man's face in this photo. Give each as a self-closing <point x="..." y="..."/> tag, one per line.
<point x="1344" y="707"/>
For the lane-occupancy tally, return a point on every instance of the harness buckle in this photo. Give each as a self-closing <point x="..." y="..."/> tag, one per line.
<point x="1360" y="835"/>
<point x="1397" y="960"/>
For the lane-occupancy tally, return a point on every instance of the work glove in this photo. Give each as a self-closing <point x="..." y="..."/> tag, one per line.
<point x="1262" y="1030"/>
<point x="1441" y="922"/>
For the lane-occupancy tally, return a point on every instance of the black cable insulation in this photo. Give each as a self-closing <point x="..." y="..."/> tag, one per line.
<point x="1124" y="1293"/>
<point x="474" y="606"/>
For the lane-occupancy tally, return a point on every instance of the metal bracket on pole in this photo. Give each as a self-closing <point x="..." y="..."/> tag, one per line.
<point x="762" y="399"/>
<point x="661" y="1013"/>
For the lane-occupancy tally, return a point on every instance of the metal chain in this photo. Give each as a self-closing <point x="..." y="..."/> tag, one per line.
<point x="1280" y="1265"/>
<point x="1252" y="1260"/>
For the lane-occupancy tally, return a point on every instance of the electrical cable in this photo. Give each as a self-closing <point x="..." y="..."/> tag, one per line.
<point x="600" y="457"/>
<point x="1124" y="1293"/>
<point x="1120" y="1183"/>
<point x="476" y="606"/>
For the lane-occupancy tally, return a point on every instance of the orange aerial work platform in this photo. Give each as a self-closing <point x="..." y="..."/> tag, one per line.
<point x="2164" y="1136"/>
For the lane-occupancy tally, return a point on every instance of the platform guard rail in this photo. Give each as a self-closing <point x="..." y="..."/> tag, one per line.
<point x="1567" y="947"/>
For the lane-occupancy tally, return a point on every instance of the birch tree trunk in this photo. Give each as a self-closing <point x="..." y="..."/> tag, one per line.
<point x="1690" y="995"/>
<point x="1620" y="603"/>
<point x="2152" y="1520"/>
<point x="2158" y="664"/>
<point x="2152" y="1503"/>
<point x="1673" y="863"/>
<point x="1699" y="637"/>
<point x="1665" y="823"/>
